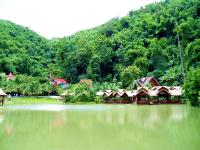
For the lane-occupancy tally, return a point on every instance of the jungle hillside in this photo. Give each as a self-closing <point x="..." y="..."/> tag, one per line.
<point x="161" y="40"/>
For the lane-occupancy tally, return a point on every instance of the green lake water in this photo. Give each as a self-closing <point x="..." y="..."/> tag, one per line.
<point x="99" y="127"/>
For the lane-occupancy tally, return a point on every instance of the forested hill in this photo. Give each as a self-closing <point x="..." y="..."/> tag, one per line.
<point x="23" y="51"/>
<point x="160" y="40"/>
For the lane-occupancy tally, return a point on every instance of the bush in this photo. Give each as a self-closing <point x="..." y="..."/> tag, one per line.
<point x="192" y="87"/>
<point x="81" y="97"/>
<point x="67" y="98"/>
<point x="98" y="100"/>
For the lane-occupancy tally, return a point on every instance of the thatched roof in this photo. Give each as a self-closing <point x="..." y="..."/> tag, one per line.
<point x="108" y="93"/>
<point x="176" y="91"/>
<point x="173" y="91"/>
<point x="100" y="93"/>
<point x="120" y="93"/>
<point x="131" y="93"/>
<point x="2" y="93"/>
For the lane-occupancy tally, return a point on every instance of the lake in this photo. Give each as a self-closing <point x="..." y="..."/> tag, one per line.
<point x="99" y="127"/>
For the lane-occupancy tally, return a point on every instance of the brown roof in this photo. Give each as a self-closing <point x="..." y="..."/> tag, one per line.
<point x="120" y="93"/>
<point x="147" y="80"/>
<point x="173" y="91"/>
<point x="142" y="89"/>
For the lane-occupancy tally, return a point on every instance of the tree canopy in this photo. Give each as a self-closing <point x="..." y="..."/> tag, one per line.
<point x="160" y="40"/>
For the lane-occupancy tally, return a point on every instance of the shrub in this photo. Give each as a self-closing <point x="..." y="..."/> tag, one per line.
<point x="192" y="87"/>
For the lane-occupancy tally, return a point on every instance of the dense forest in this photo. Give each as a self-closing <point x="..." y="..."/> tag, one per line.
<point x="160" y="40"/>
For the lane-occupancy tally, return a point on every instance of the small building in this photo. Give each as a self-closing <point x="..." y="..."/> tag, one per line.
<point x="143" y="95"/>
<point x="59" y="82"/>
<point x="2" y="96"/>
<point x="120" y="96"/>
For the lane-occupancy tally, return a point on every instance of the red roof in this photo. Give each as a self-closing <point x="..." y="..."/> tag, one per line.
<point x="59" y="81"/>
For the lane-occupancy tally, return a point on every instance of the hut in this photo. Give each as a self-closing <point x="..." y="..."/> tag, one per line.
<point x="59" y="82"/>
<point x="176" y="93"/>
<point x="108" y="95"/>
<point x="142" y="96"/>
<point x="131" y="95"/>
<point x="163" y="94"/>
<point x="2" y="96"/>
<point x="121" y="96"/>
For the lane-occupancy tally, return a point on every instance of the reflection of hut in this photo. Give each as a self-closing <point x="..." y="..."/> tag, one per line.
<point x="2" y="96"/>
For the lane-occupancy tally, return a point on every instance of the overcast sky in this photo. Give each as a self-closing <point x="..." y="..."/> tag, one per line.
<point x="58" y="18"/>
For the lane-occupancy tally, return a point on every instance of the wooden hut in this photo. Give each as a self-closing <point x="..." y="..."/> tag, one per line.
<point x="176" y="93"/>
<point x="2" y="96"/>
<point x="142" y="96"/>
<point x="108" y="95"/>
<point x="163" y="94"/>
<point x="121" y="96"/>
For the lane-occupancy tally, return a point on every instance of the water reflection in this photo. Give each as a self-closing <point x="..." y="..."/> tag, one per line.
<point x="108" y="127"/>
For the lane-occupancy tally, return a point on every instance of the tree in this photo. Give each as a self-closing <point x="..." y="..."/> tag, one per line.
<point x="130" y="74"/>
<point x="192" y="87"/>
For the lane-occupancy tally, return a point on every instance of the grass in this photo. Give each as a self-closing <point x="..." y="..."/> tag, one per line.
<point x="32" y="100"/>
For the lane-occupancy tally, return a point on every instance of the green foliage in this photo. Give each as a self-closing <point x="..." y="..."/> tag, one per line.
<point x="26" y="85"/>
<point x="130" y="74"/>
<point x="146" y="39"/>
<point x="192" y="87"/>
<point x="160" y="40"/>
<point x="23" y="51"/>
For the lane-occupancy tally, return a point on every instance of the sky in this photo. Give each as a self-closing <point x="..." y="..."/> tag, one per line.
<point x="58" y="18"/>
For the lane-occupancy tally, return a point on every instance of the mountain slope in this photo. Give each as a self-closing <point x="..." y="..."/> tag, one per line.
<point x="23" y="51"/>
<point x="159" y="40"/>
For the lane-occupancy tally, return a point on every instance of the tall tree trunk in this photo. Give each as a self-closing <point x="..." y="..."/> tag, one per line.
<point x="181" y="54"/>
